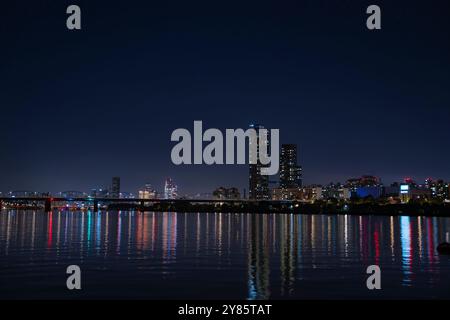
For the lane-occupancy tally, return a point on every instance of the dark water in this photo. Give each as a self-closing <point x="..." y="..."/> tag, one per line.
<point x="210" y="256"/>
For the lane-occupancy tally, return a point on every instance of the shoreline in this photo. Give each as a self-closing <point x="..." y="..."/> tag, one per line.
<point x="413" y="210"/>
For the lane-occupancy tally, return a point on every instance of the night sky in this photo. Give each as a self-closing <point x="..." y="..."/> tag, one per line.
<point x="78" y="107"/>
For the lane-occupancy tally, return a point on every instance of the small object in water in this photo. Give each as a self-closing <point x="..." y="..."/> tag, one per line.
<point x="444" y="248"/>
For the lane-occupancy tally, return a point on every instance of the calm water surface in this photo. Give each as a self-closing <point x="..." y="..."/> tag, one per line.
<point x="155" y="255"/>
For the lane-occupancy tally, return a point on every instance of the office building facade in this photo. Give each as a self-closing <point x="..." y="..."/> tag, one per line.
<point x="258" y="183"/>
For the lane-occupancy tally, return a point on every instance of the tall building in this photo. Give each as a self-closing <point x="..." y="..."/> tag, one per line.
<point x="258" y="184"/>
<point x="170" y="189"/>
<point x="115" y="187"/>
<point x="290" y="171"/>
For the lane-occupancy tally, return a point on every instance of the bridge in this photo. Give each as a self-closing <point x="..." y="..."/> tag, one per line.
<point x="48" y="201"/>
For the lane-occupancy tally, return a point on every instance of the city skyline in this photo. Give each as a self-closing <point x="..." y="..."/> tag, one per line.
<point x="112" y="191"/>
<point x="83" y="108"/>
<point x="290" y="176"/>
<point x="217" y="157"/>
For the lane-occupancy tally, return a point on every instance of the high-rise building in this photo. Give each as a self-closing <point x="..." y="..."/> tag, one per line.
<point x="258" y="184"/>
<point x="115" y="187"/>
<point x="290" y="171"/>
<point x="170" y="189"/>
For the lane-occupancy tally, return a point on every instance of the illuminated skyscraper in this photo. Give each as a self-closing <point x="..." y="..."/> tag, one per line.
<point x="290" y="172"/>
<point x="258" y="183"/>
<point x="115" y="187"/>
<point x="170" y="189"/>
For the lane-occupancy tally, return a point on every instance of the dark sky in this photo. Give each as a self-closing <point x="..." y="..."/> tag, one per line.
<point x="78" y="107"/>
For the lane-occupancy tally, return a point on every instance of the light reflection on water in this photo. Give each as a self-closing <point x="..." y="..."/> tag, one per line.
<point x="217" y="255"/>
<point x="405" y="235"/>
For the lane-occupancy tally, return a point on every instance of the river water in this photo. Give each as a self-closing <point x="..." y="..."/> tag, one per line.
<point x="156" y="255"/>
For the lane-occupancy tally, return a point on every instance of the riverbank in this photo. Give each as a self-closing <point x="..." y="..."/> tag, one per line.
<point x="322" y="207"/>
<point x="441" y="210"/>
